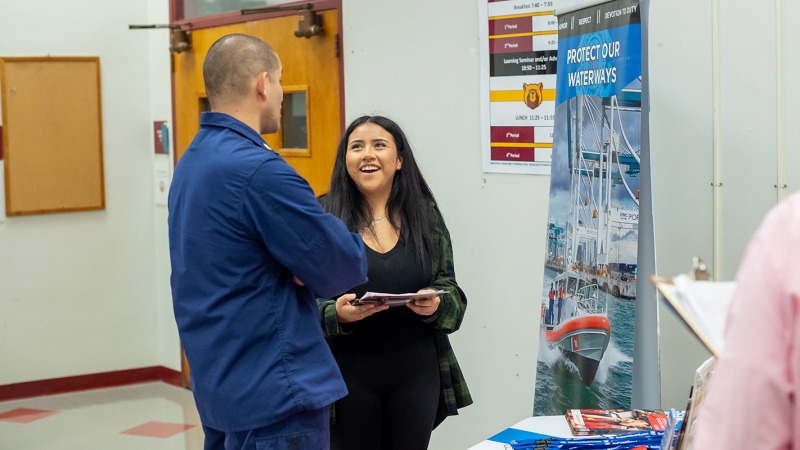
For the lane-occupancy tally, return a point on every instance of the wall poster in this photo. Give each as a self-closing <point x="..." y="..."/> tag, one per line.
<point x="588" y="299"/>
<point x="519" y="44"/>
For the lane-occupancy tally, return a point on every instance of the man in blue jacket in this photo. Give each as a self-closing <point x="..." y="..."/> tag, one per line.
<point x="251" y="249"/>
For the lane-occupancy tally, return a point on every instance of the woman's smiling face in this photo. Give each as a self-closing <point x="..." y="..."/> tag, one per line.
<point x="372" y="159"/>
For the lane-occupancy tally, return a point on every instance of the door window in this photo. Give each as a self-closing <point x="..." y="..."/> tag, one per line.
<point x="294" y="121"/>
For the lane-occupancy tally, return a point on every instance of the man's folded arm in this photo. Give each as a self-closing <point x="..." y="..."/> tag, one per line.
<point x="315" y="246"/>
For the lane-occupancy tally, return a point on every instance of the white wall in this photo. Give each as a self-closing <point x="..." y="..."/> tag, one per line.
<point x="681" y="150"/>
<point x="791" y="93"/>
<point x="161" y="110"/>
<point x="682" y="126"/>
<point x="79" y="291"/>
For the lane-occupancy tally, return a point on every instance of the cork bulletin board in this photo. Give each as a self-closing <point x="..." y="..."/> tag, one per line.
<point x="52" y="134"/>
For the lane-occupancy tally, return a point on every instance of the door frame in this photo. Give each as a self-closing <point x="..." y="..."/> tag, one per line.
<point x="234" y="17"/>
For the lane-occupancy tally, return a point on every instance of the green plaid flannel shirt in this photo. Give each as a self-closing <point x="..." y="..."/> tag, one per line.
<point x="445" y="320"/>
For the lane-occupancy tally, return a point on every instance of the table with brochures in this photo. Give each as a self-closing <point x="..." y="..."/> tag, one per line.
<point x="530" y="428"/>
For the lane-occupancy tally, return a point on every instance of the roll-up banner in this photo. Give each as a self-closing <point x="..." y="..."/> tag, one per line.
<point x="589" y="294"/>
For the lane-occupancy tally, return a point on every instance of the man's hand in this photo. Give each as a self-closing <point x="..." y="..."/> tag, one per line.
<point x="425" y="306"/>
<point x="346" y="313"/>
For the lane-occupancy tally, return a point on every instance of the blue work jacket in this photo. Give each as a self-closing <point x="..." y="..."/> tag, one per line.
<point x="242" y="223"/>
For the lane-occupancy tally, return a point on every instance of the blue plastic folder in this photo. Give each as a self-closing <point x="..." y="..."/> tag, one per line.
<point x="512" y="434"/>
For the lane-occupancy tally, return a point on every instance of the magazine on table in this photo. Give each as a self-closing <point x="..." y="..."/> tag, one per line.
<point x="702" y="379"/>
<point x="593" y="422"/>
<point x="381" y="298"/>
<point x="674" y="420"/>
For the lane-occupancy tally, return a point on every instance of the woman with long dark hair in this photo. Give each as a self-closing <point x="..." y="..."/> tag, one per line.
<point x="397" y="362"/>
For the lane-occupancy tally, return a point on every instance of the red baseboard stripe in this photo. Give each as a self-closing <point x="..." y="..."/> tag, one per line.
<point x="90" y="381"/>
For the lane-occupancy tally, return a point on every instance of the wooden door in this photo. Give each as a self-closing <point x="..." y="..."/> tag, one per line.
<point x="310" y="78"/>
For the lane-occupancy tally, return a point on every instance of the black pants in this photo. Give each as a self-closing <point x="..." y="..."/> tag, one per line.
<point x="392" y="401"/>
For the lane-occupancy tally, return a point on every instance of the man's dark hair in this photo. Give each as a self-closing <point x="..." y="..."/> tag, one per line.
<point x="410" y="201"/>
<point x="232" y="62"/>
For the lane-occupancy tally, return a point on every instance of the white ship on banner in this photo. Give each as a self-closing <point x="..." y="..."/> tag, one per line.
<point x="600" y="159"/>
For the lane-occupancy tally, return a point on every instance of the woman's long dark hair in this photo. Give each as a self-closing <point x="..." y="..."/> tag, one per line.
<point x="411" y="201"/>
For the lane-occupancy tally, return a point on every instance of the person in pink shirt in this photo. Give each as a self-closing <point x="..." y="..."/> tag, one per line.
<point x="752" y="399"/>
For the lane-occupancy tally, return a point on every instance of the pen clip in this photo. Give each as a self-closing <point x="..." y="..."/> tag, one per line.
<point x="699" y="270"/>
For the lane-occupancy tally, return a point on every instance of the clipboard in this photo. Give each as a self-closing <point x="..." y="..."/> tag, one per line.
<point x="709" y="335"/>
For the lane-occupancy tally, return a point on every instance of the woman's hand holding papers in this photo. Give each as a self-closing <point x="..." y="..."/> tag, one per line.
<point x="425" y="306"/>
<point x="347" y="313"/>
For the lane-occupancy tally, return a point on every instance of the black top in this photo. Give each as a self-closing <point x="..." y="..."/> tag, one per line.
<point x="397" y="271"/>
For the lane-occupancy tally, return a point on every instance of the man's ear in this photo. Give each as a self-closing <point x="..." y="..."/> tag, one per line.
<point x="262" y="82"/>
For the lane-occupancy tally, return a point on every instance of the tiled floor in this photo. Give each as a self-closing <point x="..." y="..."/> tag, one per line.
<point x="152" y="416"/>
